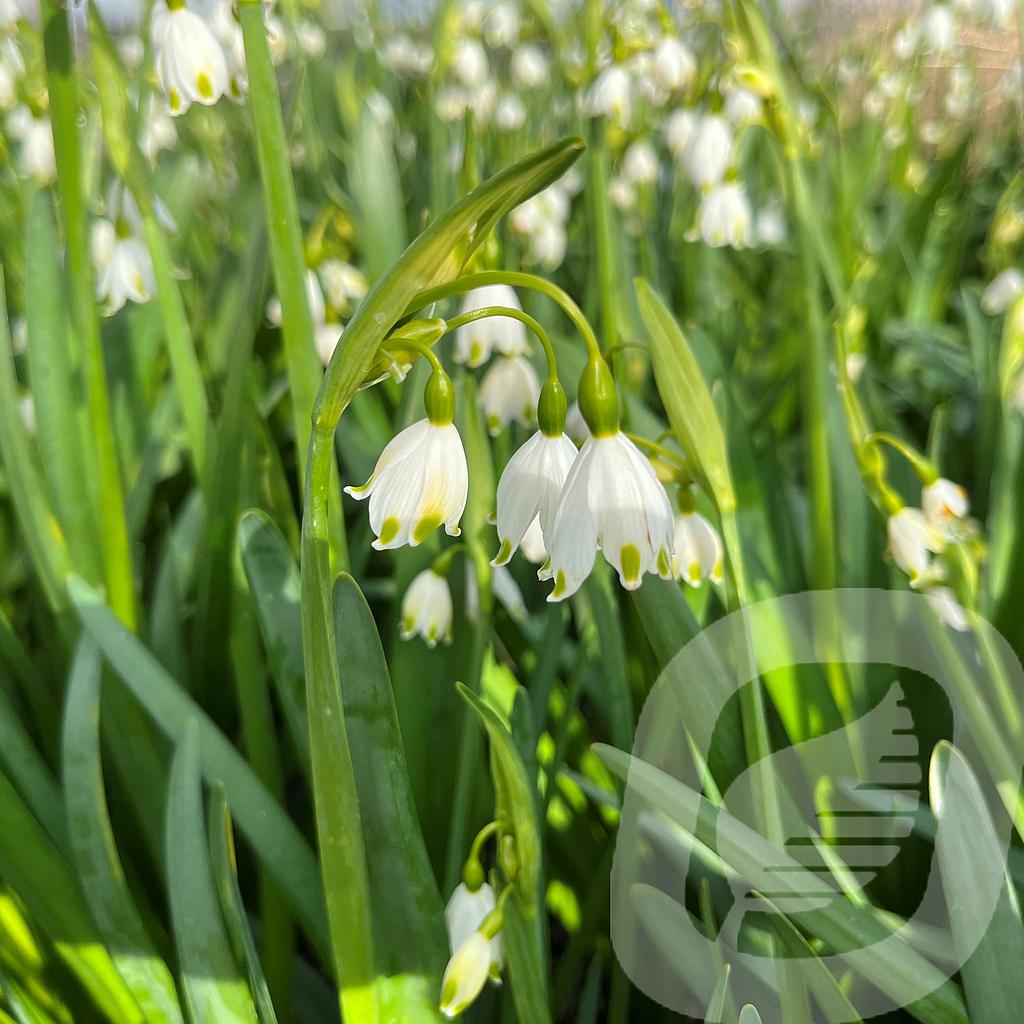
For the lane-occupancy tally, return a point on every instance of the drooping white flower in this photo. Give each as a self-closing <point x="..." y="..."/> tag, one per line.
<point x="35" y="153"/>
<point x="466" y="974"/>
<point x="190" y="62"/>
<point x="938" y="29"/>
<point x="530" y="68"/>
<point x="948" y="608"/>
<point x="770" y="225"/>
<point x="612" y="500"/>
<point x="678" y="128"/>
<point x="698" y="550"/>
<point x="640" y="164"/>
<point x="311" y="38"/>
<point x="123" y="266"/>
<point x="509" y="392"/>
<point x="724" y="217"/>
<point x="622" y="193"/>
<point x="708" y="151"/>
<point x="611" y="96"/>
<point x="470" y="63"/>
<point x="510" y="114"/>
<point x="530" y="489"/>
<point x="465" y="913"/>
<point x="427" y="609"/>
<point x="343" y="284"/>
<point x="673" y="66"/>
<point x="474" y="342"/>
<point x="420" y="482"/>
<point x="743" y="106"/>
<point x="157" y="131"/>
<point x="943" y="501"/>
<point x="1002" y="291"/>
<point x="501" y="26"/>
<point x="912" y="542"/>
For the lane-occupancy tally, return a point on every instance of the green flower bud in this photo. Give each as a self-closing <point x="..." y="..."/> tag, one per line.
<point x="599" y="401"/>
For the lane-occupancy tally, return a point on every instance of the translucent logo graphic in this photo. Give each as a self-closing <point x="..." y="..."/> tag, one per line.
<point x="747" y="878"/>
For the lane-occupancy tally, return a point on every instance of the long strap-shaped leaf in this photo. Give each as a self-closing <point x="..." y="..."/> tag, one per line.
<point x="438" y="255"/>
<point x="95" y="852"/>
<point x="271" y="832"/>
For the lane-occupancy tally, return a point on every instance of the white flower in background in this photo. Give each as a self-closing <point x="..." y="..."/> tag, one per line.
<point x="612" y="500"/>
<point x="509" y="391"/>
<point x="708" y="151"/>
<point x="532" y="545"/>
<point x="547" y="246"/>
<point x="501" y="26"/>
<point x="326" y="332"/>
<point x="622" y="193"/>
<point x="10" y="15"/>
<point x="611" y="96"/>
<point x="123" y="266"/>
<point x="427" y="609"/>
<point x="465" y="913"/>
<point x="943" y="501"/>
<point x="529" y="491"/>
<point x="474" y="342"/>
<point x="904" y="42"/>
<point x="510" y="114"/>
<point x="948" y="608"/>
<point x="770" y="225"/>
<point x="678" y="129"/>
<point x="724" y="217"/>
<point x="855" y="365"/>
<point x="121" y="16"/>
<point x="450" y="104"/>
<point x="420" y="482"/>
<point x="466" y="974"/>
<point x="343" y="284"/>
<point x="912" y="542"/>
<point x="470" y="63"/>
<point x="640" y="164"/>
<point x="673" y="66"/>
<point x="190" y="62"/>
<point x="311" y="39"/>
<point x="12" y="68"/>
<point x="157" y="130"/>
<point x="405" y="56"/>
<point x="132" y="50"/>
<point x="530" y="67"/>
<point x="742" y="106"/>
<point x="35" y="152"/>
<point x="938" y="29"/>
<point x="1002" y="291"/>
<point x="27" y="412"/>
<point x="698" y="550"/>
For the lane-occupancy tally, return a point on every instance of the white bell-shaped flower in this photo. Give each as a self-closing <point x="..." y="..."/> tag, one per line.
<point x="464" y="914"/>
<point x="427" y="609"/>
<point x="474" y="342"/>
<point x="698" y="550"/>
<point x="529" y="490"/>
<point x="530" y="68"/>
<point x="612" y="500"/>
<point x="509" y="392"/>
<point x="674" y="66"/>
<point x="123" y="265"/>
<point x="611" y="96"/>
<point x="678" y="129"/>
<point x="938" y="29"/>
<point x="1003" y="290"/>
<point x="190" y="62"/>
<point x="943" y="501"/>
<point x="501" y="26"/>
<point x="470" y="63"/>
<point x="466" y="974"/>
<point x="640" y="164"/>
<point x="708" y="151"/>
<point x="912" y="542"/>
<point x="743" y="106"/>
<point x="724" y="216"/>
<point x="343" y="284"/>
<point x="510" y="114"/>
<point x="36" y="153"/>
<point x="420" y="482"/>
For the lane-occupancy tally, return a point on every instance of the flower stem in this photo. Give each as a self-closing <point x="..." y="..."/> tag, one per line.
<point x="515" y="314"/>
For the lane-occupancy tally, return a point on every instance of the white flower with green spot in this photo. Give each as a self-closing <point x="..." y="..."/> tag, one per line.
<point x="123" y="266"/>
<point x="529" y="490"/>
<point x="474" y="938"/>
<point x="943" y="501"/>
<point x="698" y="550"/>
<point x="913" y="539"/>
<point x="190" y="62"/>
<point x="475" y="341"/>
<point x="421" y="479"/>
<point x="612" y="500"/>
<point x="509" y="392"/>
<point x="427" y="609"/>
<point x="466" y="974"/>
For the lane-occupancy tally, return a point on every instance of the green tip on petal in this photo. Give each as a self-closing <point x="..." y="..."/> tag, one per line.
<point x="204" y="86"/>
<point x="695" y="572"/>
<point x="630" y="560"/>
<point x="424" y="528"/>
<point x="560" y="587"/>
<point x="504" y="554"/>
<point x="389" y="531"/>
<point x="664" y="564"/>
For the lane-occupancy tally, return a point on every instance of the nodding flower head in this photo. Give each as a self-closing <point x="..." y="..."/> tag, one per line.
<point x="190" y="63"/>
<point x="698" y="550"/>
<point x="913" y="539"/>
<point x="475" y="341"/>
<point x="427" y="609"/>
<point x="509" y="391"/>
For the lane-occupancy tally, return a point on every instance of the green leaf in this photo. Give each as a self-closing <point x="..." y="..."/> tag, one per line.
<point x="523" y="927"/>
<point x="213" y="989"/>
<point x="970" y="856"/>
<point x="901" y="972"/>
<point x="95" y="851"/>
<point x="225" y="877"/>
<point x="272" y="834"/>
<point x="686" y="398"/>
<point x="276" y="588"/>
<point x="410" y="943"/>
